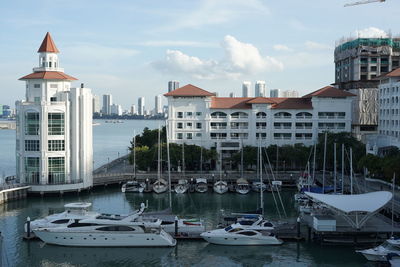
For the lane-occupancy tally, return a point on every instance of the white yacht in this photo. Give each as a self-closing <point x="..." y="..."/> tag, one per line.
<point x="84" y="234"/>
<point x="380" y="252"/>
<point x="182" y="186"/>
<point x="220" y="187"/>
<point x="160" y="186"/>
<point x="133" y="186"/>
<point x="201" y="185"/>
<point x="242" y="186"/>
<point x="256" y="186"/>
<point x="248" y="231"/>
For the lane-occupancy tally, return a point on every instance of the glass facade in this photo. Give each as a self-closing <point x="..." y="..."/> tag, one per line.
<point x="56" y="123"/>
<point x="32" y="123"/>
<point x="32" y="169"/>
<point x="56" y="145"/>
<point x="56" y="170"/>
<point x="31" y="145"/>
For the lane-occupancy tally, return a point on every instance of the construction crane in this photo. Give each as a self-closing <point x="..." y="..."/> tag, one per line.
<point x="363" y="2"/>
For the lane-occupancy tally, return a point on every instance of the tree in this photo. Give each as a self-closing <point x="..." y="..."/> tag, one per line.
<point x="372" y="163"/>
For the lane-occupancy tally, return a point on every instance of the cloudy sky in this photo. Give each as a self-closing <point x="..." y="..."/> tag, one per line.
<point x="133" y="48"/>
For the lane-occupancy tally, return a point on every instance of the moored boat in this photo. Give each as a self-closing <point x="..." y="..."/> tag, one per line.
<point x="256" y="186"/>
<point x="201" y="185"/>
<point x="242" y="186"/>
<point x="381" y="252"/>
<point x="182" y="186"/>
<point x="220" y="187"/>
<point x="160" y="186"/>
<point x="133" y="186"/>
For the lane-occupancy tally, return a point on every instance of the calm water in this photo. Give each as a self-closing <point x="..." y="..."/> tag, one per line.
<point x="109" y="140"/>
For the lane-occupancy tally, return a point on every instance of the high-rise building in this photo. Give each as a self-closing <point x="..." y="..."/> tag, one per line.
<point x="96" y="104"/>
<point x="54" y="128"/>
<point x="116" y="109"/>
<point x="260" y="89"/>
<point x="141" y="106"/>
<point x="246" y="89"/>
<point x="133" y="110"/>
<point x="172" y="85"/>
<point x="107" y="103"/>
<point x="158" y="104"/>
<point x="290" y="93"/>
<point x="357" y="62"/>
<point x="232" y="94"/>
<point x="275" y="93"/>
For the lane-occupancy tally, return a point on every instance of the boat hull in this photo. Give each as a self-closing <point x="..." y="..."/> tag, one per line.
<point x="242" y="241"/>
<point x="220" y="187"/>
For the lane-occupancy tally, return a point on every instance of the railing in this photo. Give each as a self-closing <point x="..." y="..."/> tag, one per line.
<point x="218" y="137"/>
<point x="303" y="117"/>
<point x="261" y="127"/>
<point x="218" y="117"/>
<point x="239" y="127"/>
<point x="239" y="117"/>
<point x="261" y="117"/>
<point x="282" y="117"/>
<point x="218" y="127"/>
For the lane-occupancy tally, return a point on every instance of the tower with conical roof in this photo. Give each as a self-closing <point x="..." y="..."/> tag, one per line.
<point x="54" y="128"/>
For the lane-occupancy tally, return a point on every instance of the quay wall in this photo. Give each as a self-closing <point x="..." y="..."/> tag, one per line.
<point x="7" y="125"/>
<point x="13" y="193"/>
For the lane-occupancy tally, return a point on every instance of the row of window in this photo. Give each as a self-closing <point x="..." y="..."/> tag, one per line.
<point x="55" y="171"/>
<point x="387" y="90"/>
<point x="55" y="123"/>
<point x="53" y="145"/>
<point x="383" y="112"/>
<point x="277" y="136"/>
<point x="188" y="125"/>
<point x="189" y="114"/>
<point x="260" y="125"/>
<point x="391" y="133"/>
<point x="387" y="123"/>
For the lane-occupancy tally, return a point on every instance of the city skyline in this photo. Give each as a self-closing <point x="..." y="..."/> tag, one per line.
<point x="215" y="44"/>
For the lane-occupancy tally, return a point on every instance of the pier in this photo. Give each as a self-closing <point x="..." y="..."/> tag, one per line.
<point x="12" y="192"/>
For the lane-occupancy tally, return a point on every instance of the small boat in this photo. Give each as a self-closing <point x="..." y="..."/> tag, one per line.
<point x="182" y="186"/>
<point x="381" y="252"/>
<point x="242" y="186"/>
<point x="256" y="186"/>
<point x="248" y="231"/>
<point x="274" y="186"/>
<point x="133" y="186"/>
<point x="160" y="186"/>
<point x="201" y="185"/>
<point x="220" y="187"/>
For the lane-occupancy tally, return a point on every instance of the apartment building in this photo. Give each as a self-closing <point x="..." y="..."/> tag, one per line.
<point x="199" y="117"/>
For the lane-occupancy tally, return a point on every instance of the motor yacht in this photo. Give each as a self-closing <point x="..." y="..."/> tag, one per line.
<point x="381" y="252"/>
<point x="133" y="186"/>
<point x="242" y="186"/>
<point x="160" y="186"/>
<point x="182" y="186"/>
<point x="201" y="185"/>
<point x="220" y="187"/>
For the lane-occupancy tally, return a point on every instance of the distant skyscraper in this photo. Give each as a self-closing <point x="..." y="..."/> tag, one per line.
<point x="107" y="102"/>
<point x="275" y="93"/>
<point x="260" y="89"/>
<point x="96" y="104"/>
<point x="133" y="109"/>
<point x="172" y="85"/>
<point x="290" y="93"/>
<point x="116" y="109"/>
<point x="232" y="94"/>
<point x="246" y="89"/>
<point x="141" y="106"/>
<point x="158" y="104"/>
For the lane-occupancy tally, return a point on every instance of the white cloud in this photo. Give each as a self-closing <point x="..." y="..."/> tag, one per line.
<point x="317" y="46"/>
<point x="281" y="47"/>
<point x="371" y="32"/>
<point x="240" y="58"/>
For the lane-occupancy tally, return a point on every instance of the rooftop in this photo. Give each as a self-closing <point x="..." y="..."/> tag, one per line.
<point x="329" y="91"/>
<point x="48" y="75"/>
<point x="189" y="90"/>
<point x="48" y="45"/>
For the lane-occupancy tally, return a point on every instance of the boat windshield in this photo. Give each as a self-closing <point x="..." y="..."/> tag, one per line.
<point x="246" y="222"/>
<point x="228" y="228"/>
<point x="389" y="246"/>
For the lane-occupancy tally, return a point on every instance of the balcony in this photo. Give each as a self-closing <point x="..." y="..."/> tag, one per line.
<point x="218" y="127"/>
<point x="304" y="117"/>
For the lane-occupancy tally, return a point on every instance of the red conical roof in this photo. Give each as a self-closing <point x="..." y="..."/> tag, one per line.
<point x="48" y="45"/>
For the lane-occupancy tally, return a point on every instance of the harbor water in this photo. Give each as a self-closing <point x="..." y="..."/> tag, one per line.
<point x="111" y="140"/>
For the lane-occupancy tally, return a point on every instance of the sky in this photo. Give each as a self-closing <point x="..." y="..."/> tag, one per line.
<point x="132" y="48"/>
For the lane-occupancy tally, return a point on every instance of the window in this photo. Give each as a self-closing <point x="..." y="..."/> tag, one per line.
<point x="189" y="114"/>
<point x="198" y="134"/>
<point x="53" y="99"/>
<point x="36" y="99"/>
<point x="56" y="123"/>
<point x="218" y="115"/>
<point x="32" y="123"/>
<point x="198" y="125"/>
<point x="179" y="136"/>
<point x="116" y="228"/>
<point x="262" y="135"/>
<point x="179" y="125"/>
<point x="198" y="113"/>
<point x="32" y="170"/>
<point x="189" y="125"/>
<point x="179" y="115"/>
<point x="261" y="115"/>
<point x="54" y="86"/>
<point x="56" y="145"/>
<point x="61" y="221"/>
<point x="189" y="136"/>
<point x="36" y="85"/>
<point x="31" y="145"/>
<point x="283" y="115"/>
<point x="56" y="170"/>
<point x="373" y="68"/>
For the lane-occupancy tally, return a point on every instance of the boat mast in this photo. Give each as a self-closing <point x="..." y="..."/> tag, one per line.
<point x="342" y="169"/>
<point x="351" y="170"/>
<point x="220" y="166"/>
<point x="323" y="171"/>
<point x="315" y="152"/>
<point x="277" y="161"/>
<point x="334" y="167"/>
<point x="169" y="167"/>
<point x="134" y="154"/>
<point x="261" y="181"/>
<point x="393" y="185"/>
<point x="241" y="160"/>
<point x="183" y="159"/>
<point x="158" y="154"/>
<point x="201" y="160"/>
<point x="308" y="175"/>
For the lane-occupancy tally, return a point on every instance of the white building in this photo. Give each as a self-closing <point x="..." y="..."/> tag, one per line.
<point x="172" y="85"/>
<point x="107" y="103"/>
<point x="158" y="104"/>
<point x="116" y="109"/>
<point x="197" y="116"/>
<point x="260" y="89"/>
<point x="290" y="93"/>
<point x="246" y="89"/>
<point x="275" y="93"/>
<point x="389" y="114"/>
<point x="141" y="106"/>
<point x="96" y="104"/>
<point x="54" y="128"/>
<point x="133" y="110"/>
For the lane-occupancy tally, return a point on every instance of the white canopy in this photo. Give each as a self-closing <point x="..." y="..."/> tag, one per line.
<point x="368" y="202"/>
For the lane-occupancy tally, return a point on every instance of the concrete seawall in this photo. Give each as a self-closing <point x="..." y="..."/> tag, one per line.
<point x="14" y="193"/>
<point x="7" y="125"/>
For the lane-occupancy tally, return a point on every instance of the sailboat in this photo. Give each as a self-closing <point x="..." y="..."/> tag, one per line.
<point x="201" y="183"/>
<point x="160" y="185"/>
<point x="242" y="185"/>
<point x="257" y="185"/>
<point x="182" y="186"/>
<point x="133" y="186"/>
<point x="220" y="186"/>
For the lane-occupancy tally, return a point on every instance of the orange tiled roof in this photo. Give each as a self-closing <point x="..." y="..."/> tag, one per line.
<point x="261" y="100"/>
<point x="189" y="90"/>
<point x="329" y="91"/>
<point x="48" y="45"/>
<point x="292" y="103"/>
<point x="393" y="73"/>
<point x="48" y="75"/>
<point x="230" y="102"/>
